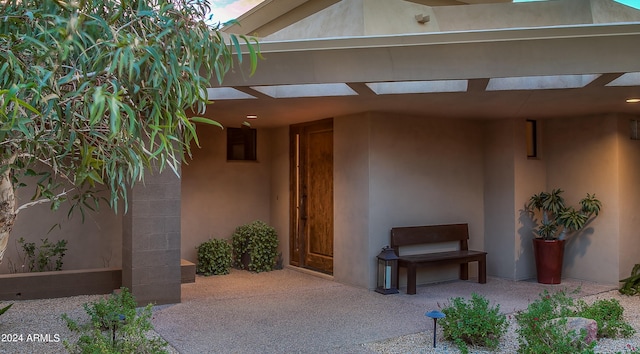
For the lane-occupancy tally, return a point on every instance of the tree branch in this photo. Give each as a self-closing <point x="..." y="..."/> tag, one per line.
<point x="42" y="201"/>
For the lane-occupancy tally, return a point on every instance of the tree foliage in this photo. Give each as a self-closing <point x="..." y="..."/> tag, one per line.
<point x="92" y="92"/>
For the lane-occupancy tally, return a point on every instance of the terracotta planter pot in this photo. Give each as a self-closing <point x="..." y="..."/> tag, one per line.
<point x="549" y="258"/>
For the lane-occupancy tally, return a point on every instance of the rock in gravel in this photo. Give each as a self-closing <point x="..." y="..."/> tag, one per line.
<point x="577" y="324"/>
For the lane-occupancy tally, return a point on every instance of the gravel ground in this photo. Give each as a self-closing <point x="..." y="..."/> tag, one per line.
<point x="423" y="342"/>
<point x="35" y="326"/>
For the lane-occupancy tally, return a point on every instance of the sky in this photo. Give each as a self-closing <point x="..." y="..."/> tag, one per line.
<point x="225" y="10"/>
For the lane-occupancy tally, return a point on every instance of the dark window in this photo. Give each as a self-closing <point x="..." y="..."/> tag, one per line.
<point x="241" y="144"/>
<point x="532" y="139"/>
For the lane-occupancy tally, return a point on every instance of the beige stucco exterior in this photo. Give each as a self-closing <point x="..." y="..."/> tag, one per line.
<point x="394" y="170"/>
<point x="418" y="159"/>
<point x="96" y="243"/>
<point x="396" y="167"/>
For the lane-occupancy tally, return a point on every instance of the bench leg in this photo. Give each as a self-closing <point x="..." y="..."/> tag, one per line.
<point x="411" y="279"/>
<point x="464" y="271"/>
<point x="482" y="271"/>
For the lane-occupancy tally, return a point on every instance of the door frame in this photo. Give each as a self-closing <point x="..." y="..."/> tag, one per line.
<point x="297" y="243"/>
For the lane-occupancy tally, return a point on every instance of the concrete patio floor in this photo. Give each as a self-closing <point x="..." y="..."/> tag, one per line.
<point x="288" y="311"/>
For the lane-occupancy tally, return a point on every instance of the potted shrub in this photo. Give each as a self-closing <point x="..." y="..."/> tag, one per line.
<point x="557" y="222"/>
<point x="255" y="247"/>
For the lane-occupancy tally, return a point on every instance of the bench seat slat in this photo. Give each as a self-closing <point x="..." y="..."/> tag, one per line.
<point x="441" y="256"/>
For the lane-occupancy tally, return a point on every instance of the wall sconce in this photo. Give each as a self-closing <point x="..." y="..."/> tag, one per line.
<point x="387" y="272"/>
<point x="422" y="18"/>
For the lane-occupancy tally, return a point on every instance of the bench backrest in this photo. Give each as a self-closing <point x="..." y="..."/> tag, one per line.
<point x="420" y="235"/>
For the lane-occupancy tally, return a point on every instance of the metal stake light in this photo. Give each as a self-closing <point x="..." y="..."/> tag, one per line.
<point x="435" y="315"/>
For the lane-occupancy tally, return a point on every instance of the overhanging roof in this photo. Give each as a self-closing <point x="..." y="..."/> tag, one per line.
<point x="546" y="72"/>
<point x="458" y="55"/>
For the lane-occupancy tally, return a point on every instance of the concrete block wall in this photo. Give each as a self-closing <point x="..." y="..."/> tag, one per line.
<point x="151" y="240"/>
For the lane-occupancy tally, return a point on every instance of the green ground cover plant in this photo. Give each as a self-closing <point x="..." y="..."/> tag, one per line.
<point x="473" y="323"/>
<point x="115" y="326"/>
<point x="631" y="285"/>
<point x="538" y="334"/>
<point x="214" y="257"/>
<point x="47" y="256"/>
<point x="608" y="315"/>
<point x="541" y="327"/>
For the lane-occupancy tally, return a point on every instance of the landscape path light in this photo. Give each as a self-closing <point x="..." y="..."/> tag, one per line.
<point x="435" y="315"/>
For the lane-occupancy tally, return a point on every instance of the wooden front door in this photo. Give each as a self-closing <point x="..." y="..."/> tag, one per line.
<point x="311" y="244"/>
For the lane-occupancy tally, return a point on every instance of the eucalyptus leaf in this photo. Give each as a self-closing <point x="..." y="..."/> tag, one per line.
<point x="97" y="91"/>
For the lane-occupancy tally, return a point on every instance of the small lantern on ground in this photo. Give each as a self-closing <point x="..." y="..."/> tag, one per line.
<point x="435" y="315"/>
<point x="387" y="272"/>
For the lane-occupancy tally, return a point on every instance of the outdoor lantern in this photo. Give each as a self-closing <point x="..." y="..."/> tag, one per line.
<point x="387" y="272"/>
<point x="435" y="315"/>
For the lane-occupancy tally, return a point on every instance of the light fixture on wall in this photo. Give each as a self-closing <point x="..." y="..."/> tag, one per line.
<point x="422" y="18"/>
<point x="252" y="116"/>
<point x="633" y="100"/>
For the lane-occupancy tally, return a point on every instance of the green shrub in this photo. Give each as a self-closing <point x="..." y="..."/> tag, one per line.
<point x="538" y="334"/>
<point x="473" y="323"/>
<point x="214" y="257"/>
<point x="40" y="258"/>
<point x="258" y="242"/>
<point x="115" y="326"/>
<point x="608" y="315"/>
<point x="631" y="285"/>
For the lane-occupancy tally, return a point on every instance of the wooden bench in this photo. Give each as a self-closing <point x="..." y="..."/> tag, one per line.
<point x="423" y="235"/>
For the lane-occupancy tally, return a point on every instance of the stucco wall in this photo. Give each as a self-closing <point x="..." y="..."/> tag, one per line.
<point x="424" y="171"/>
<point x="280" y="186"/>
<point x="530" y="178"/>
<point x="582" y="156"/>
<point x="352" y="250"/>
<point x="95" y="243"/>
<point x="394" y="170"/>
<point x="629" y="247"/>
<point x="579" y="155"/>
<point x="218" y="196"/>
<point x="499" y="174"/>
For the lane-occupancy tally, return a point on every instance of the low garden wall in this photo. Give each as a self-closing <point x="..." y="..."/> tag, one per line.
<point x="45" y="285"/>
<point x="62" y="283"/>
